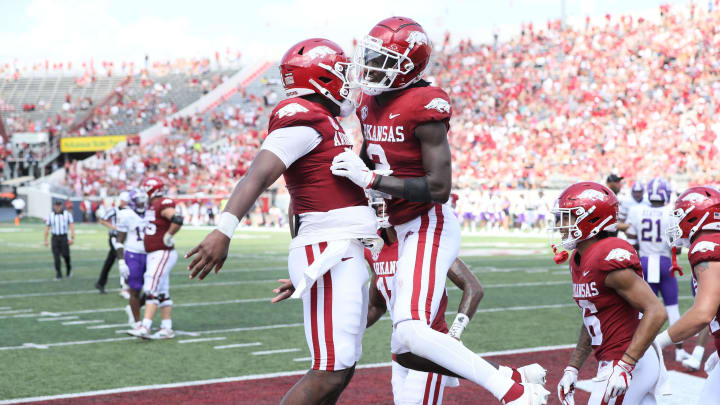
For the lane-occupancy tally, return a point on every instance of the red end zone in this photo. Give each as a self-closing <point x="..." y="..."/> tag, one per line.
<point x="369" y="386"/>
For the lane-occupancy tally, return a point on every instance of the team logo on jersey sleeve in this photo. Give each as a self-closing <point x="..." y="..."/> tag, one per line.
<point x="290" y="110"/>
<point x="704" y="246"/>
<point x="438" y="104"/>
<point x="364" y="112"/>
<point x="618" y="254"/>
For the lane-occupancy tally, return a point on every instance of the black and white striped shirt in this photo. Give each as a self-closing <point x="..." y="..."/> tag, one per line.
<point x="59" y="223"/>
<point x="111" y="217"/>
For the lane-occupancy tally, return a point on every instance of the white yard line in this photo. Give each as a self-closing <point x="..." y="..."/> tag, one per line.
<point x="84" y="322"/>
<point x="211" y="339"/>
<point x="115" y="325"/>
<point x="57" y="318"/>
<point x="236" y="345"/>
<point x="302" y="359"/>
<point x="79" y="342"/>
<point x="16" y="311"/>
<point x="267" y="352"/>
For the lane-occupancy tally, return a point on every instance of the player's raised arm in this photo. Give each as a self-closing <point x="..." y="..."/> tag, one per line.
<point x="212" y="251"/>
<point x="472" y="294"/>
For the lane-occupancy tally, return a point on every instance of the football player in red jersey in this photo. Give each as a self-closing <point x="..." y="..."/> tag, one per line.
<point x="163" y="222"/>
<point x="697" y="225"/>
<point x="420" y="387"/>
<point x="325" y="262"/>
<point x="608" y="286"/>
<point x="404" y="122"/>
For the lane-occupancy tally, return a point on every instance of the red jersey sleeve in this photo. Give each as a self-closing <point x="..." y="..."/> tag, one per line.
<point x="433" y="104"/>
<point x="165" y="203"/>
<point x="616" y="254"/>
<point x="706" y="248"/>
<point x="368" y="257"/>
<point x="296" y="112"/>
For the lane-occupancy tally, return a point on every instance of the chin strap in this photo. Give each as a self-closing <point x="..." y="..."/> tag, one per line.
<point x="675" y="267"/>
<point x="561" y="256"/>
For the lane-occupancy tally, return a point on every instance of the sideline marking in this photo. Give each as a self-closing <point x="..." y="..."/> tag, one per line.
<point x="302" y="359"/>
<point x="79" y="342"/>
<point x="16" y="311"/>
<point x="116" y="325"/>
<point x="237" y="379"/>
<point x="210" y="339"/>
<point x="266" y="352"/>
<point x="237" y="345"/>
<point x="60" y="318"/>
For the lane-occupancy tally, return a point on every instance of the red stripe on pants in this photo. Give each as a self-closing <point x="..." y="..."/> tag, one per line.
<point x="417" y="273"/>
<point x="428" y="384"/>
<point x="156" y="277"/>
<point x="329" y="344"/>
<point x="313" y="313"/>
<point x="433" y="260"/>
<point x="438" y="384"/>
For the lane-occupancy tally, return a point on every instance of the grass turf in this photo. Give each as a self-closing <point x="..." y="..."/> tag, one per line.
<point x="210" y="307"/>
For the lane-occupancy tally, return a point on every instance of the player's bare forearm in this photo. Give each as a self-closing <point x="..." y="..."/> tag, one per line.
<point x="706" y="303"/>
<point x="72" y="230"/>
<point x="582" y="349"/>
<point x="436" y="184"/>
<point x="374" y="314"/>
<point x="213" y="250"/>
<point x="471" y="287"/>
<point x="121" y="237"/>
<point x="622" y="226"/>
<point x="364" y="156"/>
<point x="265" y="169"/>
<point x="45" y="235"/>
<point x="174" y="228"/>
<point x="637" y="293"/>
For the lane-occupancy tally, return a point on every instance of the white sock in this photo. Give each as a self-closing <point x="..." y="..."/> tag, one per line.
<point x="673" y="312"/>
<point x="698" y="353"/>
<point x="166" y="324"/>
<point x="452" y="355"/>
<point x="147" y="323"/>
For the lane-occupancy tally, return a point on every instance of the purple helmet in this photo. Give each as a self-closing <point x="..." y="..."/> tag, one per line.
<point x="658" y="190"/>
<point x="637" y="191"/>
<point x="138" y="201"/>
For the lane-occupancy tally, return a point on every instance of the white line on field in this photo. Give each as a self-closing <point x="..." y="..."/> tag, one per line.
<point x="57" y="318"/>
<point x="266" y="352"/>
<point x="116" y="325"/>
<point x="302" y="359"/>
<point x="15" y="311"/>
<point x="202" y="339"/>
<point x="4" y="308"/>
<point x="237" y="345"/>
<point x="89" y="321"/>
<point x="235" y="379"/>
<point x="80" y="342"/>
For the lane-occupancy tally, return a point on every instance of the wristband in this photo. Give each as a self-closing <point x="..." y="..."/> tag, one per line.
<point x="118" y="245"/>
<point x="663" y="339"/>
<point x="458" y="325"/>
<point x="571" y="369"/>
<point x="227" y="224"/>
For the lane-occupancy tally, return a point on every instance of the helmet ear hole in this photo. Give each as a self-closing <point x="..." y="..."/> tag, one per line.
<point x="593" y="220"/>
<point x="300" y="52"/>
<point x="324" y="79"/>
<point x="692" y="220"/>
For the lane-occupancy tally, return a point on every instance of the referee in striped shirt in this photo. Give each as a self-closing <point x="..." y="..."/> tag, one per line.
<point x="59" y="222"/>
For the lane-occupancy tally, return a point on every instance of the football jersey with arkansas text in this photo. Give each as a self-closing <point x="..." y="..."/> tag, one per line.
<point x="390" y="142"/>
<point x="311" y="184"/>
<point x="706" y="248"/>
<point x="610" y="320"/>
<point x="157" y="225"/>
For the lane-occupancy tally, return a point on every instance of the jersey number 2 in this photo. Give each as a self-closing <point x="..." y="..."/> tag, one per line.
<point x="377" y="155"/>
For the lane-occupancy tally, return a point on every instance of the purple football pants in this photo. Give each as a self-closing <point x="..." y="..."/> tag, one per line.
<point x="668" y="285"/>
<point x="136" y="262"/>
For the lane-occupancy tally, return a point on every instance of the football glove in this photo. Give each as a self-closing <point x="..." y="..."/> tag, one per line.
<point x="168" y="240"/>
<point x="533" y="373"/>
<point x="619" y="380"/>
<point x="124" y="269"/>
<point x="711" y="362"/>
<point x="566" y="386"/>
<point x="349" y="165"/>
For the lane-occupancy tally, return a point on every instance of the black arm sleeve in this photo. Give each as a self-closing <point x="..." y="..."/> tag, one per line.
<point x="177" y="219"/>
<point x="416" y="189"/>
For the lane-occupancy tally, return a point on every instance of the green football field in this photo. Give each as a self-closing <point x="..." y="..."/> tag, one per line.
<point x="59" y="337"/>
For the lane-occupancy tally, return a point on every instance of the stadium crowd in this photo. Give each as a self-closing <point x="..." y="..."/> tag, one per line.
<point x="627" y="95"/>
